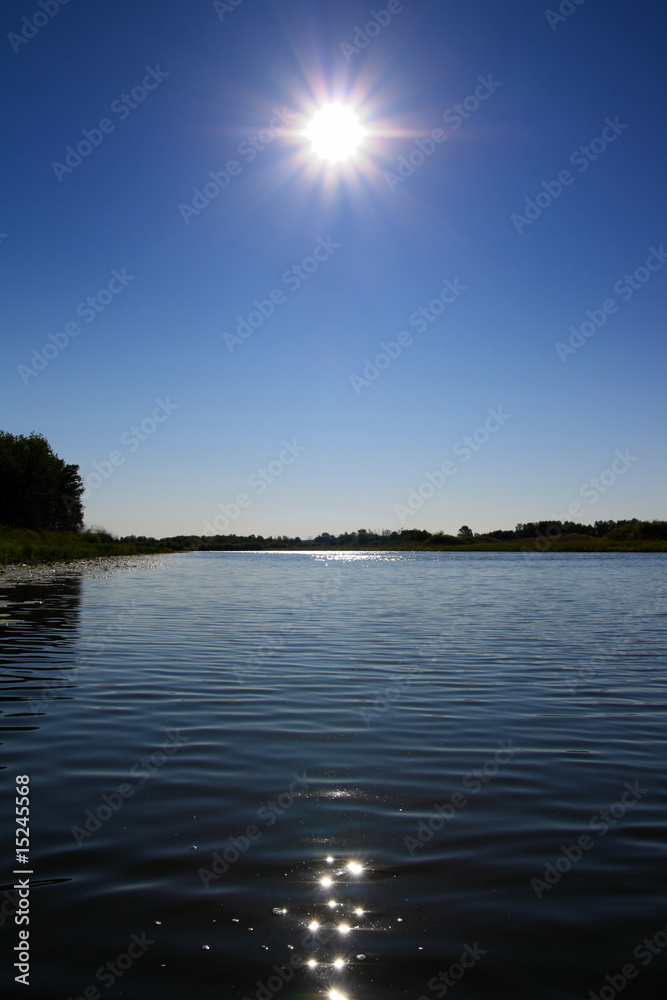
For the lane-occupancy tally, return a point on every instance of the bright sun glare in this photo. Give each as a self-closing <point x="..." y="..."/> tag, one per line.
<point x="335" y="132"/>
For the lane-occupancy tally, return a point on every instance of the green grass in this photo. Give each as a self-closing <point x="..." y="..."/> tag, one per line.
<point x="18" y="545"/>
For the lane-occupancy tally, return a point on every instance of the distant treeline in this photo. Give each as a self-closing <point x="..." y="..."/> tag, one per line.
<point x="534" y="534"/>
<point x="18" y="545"/>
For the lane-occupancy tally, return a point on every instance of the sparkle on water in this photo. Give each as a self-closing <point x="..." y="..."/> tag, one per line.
<point x="328" y="962"/>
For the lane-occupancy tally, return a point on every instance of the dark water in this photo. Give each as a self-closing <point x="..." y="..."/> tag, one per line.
<point x="314" y="706"/>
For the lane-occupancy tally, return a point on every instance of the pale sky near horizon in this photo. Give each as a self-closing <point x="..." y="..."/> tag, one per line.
<point x="469" y="311"/>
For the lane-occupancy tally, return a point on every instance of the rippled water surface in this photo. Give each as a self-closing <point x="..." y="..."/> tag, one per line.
<point x="210" y="736"/>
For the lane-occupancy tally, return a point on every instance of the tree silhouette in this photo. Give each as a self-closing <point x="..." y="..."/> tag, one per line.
<point x="39" y="491"/>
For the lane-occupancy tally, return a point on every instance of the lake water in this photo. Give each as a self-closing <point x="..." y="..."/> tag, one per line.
<point x="483" y="735"/>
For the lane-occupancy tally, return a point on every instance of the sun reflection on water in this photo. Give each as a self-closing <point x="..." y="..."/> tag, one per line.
<point x="325" y="961"/>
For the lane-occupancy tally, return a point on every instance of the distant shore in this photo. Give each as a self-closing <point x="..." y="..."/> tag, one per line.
<point x="23" y="547"/>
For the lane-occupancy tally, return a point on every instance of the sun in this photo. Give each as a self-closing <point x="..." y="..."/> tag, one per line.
<point x="335" y="132"/>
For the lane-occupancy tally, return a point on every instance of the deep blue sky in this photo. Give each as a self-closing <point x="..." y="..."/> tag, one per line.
<point x="230" y="412"/>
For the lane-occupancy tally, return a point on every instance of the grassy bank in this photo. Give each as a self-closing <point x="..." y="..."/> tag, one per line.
<point x="32" y="547"/>
<point x="19" y="545"/>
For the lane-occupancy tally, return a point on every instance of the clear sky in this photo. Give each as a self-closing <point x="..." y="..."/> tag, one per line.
<point x="508" y="220"/>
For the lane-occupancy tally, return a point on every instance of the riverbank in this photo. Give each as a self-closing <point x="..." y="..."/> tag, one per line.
<point x="33" y="548"/>
<point x="542" y="536"/>
<point x="20" y="546"/>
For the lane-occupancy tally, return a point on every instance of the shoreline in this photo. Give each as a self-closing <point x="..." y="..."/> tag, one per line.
<point x="17" y="573"/>
<point x="28" y="548"/>
<point x="41" y="570"/>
